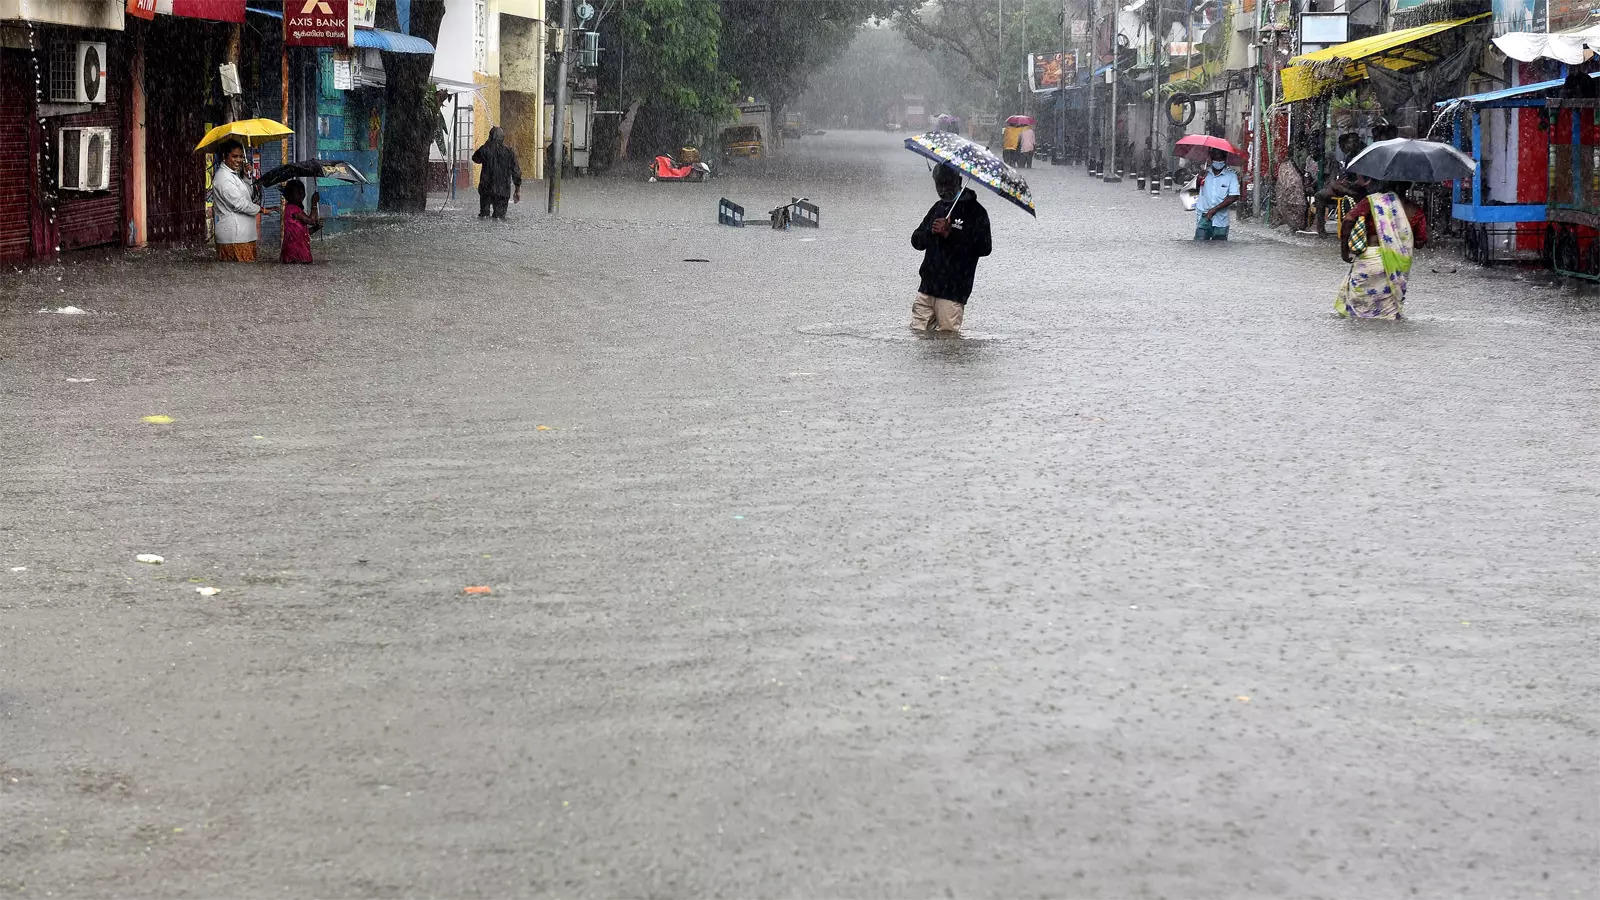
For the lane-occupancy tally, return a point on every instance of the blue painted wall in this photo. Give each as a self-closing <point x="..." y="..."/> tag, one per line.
<point x="349" y="127"/>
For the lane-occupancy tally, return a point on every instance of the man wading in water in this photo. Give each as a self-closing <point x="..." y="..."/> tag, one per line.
<point x="952" y="237"/>
<point x="501" y="178"/>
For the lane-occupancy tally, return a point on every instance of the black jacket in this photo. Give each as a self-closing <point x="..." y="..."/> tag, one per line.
<point x="949" y="262"/>
<point x="500" y="169"/>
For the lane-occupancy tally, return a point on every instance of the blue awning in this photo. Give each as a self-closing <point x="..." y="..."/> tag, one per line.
<point x="392" y="41"/>
<point x="370" y="38"/>
<point x="1084" y="76"/>
<point x="1510" y="93"/>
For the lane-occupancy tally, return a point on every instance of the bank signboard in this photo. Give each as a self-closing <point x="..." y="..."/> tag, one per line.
<point x="316" y="23"/>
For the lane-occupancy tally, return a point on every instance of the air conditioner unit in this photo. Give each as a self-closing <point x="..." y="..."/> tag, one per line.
<point x="83" y="159"/>
<point x="89" y="73"/>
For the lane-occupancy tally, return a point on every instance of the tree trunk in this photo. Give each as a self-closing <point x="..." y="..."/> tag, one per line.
<point x="625" y="130"/>
<point x="410" y="112"/>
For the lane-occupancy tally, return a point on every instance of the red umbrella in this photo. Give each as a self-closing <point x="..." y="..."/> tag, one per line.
<point x="1020" y="120"/>
<point x="1198" y="147"/>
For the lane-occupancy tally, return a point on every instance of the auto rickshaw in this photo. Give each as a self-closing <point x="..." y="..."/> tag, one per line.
<point x="742" y="141"/>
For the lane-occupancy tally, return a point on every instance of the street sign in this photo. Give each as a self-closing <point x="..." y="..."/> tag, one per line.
<point x="1080" y="29"/>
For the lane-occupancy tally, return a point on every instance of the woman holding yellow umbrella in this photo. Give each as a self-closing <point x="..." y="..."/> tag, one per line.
<point x="231" y="200"/>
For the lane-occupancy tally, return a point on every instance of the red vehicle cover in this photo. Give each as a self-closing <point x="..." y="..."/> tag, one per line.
<point x="665" y="168"/>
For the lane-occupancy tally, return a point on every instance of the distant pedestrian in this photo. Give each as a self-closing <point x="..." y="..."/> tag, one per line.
<point x="1219" y="189"/>
<point x="235" y="212"/>
<point x="953" y="236"/>
<point x="1010" y="140"/>
<point x="1025" y="145"/>
<point x="298" y="226"/>
<point x="501" y="178"/>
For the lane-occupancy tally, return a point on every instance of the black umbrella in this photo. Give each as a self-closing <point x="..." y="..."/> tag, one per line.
<point x="337" y="169"/>
<point x="1407" y="160"/>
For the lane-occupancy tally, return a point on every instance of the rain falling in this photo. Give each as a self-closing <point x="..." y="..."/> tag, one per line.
<point x="844" y="448"/>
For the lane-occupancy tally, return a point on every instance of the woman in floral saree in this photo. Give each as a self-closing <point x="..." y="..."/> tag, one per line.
<point x="1377" y="238"/>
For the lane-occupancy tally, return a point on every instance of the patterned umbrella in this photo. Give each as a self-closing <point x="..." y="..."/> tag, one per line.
<point x="976" y="163"/>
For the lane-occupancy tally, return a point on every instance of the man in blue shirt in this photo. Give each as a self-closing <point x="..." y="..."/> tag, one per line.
<point x="1219" y="189"/>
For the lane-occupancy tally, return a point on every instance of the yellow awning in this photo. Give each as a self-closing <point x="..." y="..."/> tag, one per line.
<point x="1392" y="50"/>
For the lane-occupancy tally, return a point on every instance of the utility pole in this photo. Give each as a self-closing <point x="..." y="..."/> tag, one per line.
<point x="1094" y="65"/>
<point x="1000" y="62"/>
<point x="1027" y="48"/>
<point x="1061" y="86"/>
<point x="1256" y="114"/>
<point x="558" y="119"/>
<point x="1111" y="140"/>
<point x="1158" y="44"/>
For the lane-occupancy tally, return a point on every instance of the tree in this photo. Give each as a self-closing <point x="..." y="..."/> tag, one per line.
<point x="966" y="35"/>
<point x="773" y="48"/>
<point x="866" y="85"/>
<point x="411" y="111"/>
<point x="686" y="59"/>
<point x="675" y="75"/>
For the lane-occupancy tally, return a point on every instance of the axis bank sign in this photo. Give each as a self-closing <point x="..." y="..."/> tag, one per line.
<point x="316" y="23"/>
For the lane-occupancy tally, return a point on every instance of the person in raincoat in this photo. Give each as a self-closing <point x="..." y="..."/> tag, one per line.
<point x="1010" y="141"/>
<point x="234" y="210"/>
<point x="501" y="178"/>
<point x="953" y="236"/>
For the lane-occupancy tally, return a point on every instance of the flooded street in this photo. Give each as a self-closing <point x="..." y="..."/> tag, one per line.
<point x="1162" y="581"/>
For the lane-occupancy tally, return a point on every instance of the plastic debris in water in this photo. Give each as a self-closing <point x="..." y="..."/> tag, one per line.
<point x="477" y="589"/>
<point x="150" y="558"/>
<point x="158" y="420"/>
<point x="543" y="428"/>
<point x="79" y="380"/>
<point x="19" y="568"/>
<point x="66" y="311"/>
<point x="208" y="591"/>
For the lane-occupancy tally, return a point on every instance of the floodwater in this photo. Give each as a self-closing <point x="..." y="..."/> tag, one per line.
<point x="1160" y="582"/>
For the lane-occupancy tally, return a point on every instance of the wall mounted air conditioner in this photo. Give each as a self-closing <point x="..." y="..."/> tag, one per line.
<point x="91" y="72"/>
<point x="78" y="72"/>
<point x="83" y="159"/>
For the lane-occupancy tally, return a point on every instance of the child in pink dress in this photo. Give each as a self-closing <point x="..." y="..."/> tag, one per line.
<point x="297" y="225"/>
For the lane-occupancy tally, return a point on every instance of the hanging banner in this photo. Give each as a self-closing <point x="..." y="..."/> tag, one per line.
<point x="214" y="10"/>
<point x="316" y="23"/>
<point x="1052" y="71"/>
<point x="364" y="13"/>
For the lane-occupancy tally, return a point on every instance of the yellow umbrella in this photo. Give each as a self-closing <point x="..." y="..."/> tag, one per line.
<point x="249" y="132"/>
